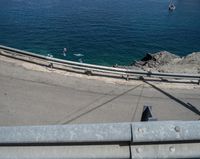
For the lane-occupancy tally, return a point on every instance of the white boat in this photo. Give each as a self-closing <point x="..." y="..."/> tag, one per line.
<point x="172" y="6"/>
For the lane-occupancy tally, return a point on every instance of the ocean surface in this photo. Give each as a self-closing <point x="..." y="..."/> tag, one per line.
<point x="104" y="32"/>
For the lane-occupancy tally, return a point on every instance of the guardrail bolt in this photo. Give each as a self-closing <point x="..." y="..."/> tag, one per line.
<point x="140" y="130"/>
<point x="172" y="149"/>
<point x="138" y="150"/>
<point x="177" y="129"/>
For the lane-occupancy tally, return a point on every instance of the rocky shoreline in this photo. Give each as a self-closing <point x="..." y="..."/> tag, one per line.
<point x="167" y="62"/>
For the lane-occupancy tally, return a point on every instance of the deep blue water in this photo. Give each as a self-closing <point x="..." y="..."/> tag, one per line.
<point x="106" y="32"/>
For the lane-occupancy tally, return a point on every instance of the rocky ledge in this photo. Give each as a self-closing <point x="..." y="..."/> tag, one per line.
<point x="167" y="62"/>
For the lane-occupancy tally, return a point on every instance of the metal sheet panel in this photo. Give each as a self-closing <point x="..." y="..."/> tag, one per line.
<point x="66" y="152"/>
<point x="172" y="151"/>
<point x="66" y="133"/>
<point x="166" y="131"/>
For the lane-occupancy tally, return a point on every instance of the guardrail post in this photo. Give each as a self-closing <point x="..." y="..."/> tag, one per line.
<point x="141" y="78"/>
<point x="198" y="82"/>
<point x="51" y="65"/>
<point x="127" y="77"/>
<point x="88" y="72"/>
<point x="149" y="73"/>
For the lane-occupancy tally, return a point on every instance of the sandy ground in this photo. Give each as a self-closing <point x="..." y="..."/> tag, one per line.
<point x="35" y="95"/>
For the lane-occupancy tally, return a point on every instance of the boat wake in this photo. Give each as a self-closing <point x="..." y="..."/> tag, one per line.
<point x="79" y="55"/>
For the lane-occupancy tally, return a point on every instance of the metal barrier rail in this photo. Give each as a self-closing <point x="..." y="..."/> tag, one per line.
<point x="89" y="68"/>
<point x="166" y="139"/>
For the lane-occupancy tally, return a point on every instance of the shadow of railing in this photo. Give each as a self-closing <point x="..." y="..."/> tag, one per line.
<point x="186" y="105"/>
<point x="96" y="107"/>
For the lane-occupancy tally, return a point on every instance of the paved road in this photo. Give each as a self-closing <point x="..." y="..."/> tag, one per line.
<point x="30" y="97"/>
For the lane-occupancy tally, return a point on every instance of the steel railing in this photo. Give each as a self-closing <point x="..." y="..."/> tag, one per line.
<point x="160" y="139"/>
<point x="89" y="68"/>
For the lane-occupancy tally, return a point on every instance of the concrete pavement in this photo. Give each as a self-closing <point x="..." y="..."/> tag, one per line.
<point x="32" y="97"/>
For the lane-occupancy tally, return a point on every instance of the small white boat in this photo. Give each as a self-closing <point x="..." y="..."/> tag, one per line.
<point x="172" y="6"/>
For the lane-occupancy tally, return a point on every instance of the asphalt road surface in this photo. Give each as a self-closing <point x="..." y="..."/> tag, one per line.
<point x="29" y="97"/>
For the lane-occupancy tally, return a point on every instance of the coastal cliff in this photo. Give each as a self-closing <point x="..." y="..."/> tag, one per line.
<point x="167" y="62"/>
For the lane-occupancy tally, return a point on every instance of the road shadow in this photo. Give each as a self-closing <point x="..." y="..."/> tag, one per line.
<point x="186" y="105"/>
<point x="164" y="80"/>
<point x="100" y="105"/>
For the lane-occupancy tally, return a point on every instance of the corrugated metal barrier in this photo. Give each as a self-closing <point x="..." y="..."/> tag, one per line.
<point x="89" y="68"/>
<point x="156" y="139"/>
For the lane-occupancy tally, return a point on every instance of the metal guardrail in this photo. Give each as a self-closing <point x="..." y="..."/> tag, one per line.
<point x="166" y="139"/>
<point x="89" y="68"/>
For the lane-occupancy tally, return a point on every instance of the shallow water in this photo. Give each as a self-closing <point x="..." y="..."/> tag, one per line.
<point x="105" y="32"/>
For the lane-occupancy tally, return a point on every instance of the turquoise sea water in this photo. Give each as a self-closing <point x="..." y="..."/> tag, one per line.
<point x="105" y="32"/>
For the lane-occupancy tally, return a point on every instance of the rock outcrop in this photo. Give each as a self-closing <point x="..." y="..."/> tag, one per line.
<point x="167" y="62"/>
